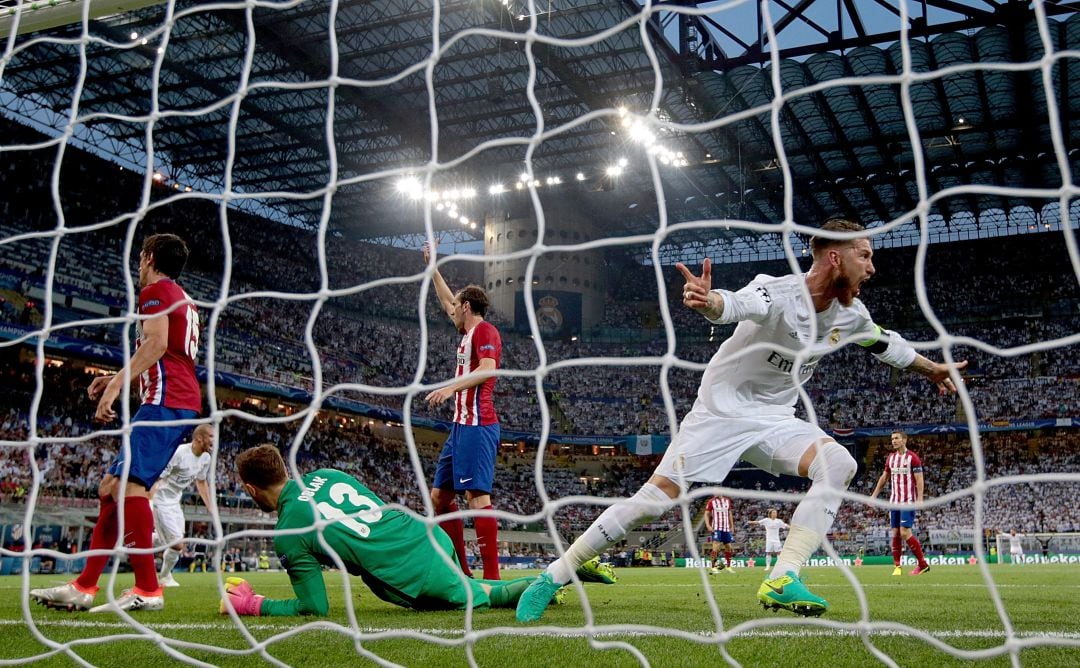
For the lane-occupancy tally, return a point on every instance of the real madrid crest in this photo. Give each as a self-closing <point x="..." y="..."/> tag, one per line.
<point x="834" y="336"/>
<point x="548" y="316"/>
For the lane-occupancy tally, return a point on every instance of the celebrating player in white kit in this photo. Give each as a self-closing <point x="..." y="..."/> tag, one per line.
<point x="772" y="525"/>
<point x="190" y="463"/>
<point x="745" y="408"/>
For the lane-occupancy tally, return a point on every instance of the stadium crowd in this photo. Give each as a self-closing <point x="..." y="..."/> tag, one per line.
<point x="259" y="297"/>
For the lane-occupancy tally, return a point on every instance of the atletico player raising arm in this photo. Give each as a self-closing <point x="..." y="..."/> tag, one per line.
<point x="467" y="461"/>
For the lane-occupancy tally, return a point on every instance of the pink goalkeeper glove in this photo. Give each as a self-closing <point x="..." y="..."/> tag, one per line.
<point x="241" y="597"/>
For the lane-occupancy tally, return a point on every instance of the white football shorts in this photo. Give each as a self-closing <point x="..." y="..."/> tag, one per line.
<point x="773" y="546"/>
<point x="168" y="523"/>
<point x="707" y="445"/>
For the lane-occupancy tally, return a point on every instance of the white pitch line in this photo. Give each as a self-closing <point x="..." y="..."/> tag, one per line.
<point x="771" y="633"/>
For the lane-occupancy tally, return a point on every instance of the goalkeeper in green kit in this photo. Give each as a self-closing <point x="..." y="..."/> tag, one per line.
<point x="390" y="550"/>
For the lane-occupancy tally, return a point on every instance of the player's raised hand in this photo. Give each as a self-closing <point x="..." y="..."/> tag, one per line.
<point x="697" y="291"/>
<point x="428" y="249"/>
<point x="940" y="376"/>
<point x="241" y="597"/>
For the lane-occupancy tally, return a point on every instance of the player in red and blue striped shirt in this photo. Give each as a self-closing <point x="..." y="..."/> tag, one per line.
<point x="904" y="469"/>
<point x="467" y="461"/>
<point x="164" y="363"/>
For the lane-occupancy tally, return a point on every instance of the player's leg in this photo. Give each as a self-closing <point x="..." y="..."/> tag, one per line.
<point x="727" y="552"/>
<point x="168" y="530"/>
<point x="907" y="521"/>
<point x="897" y="541"/>
<point x="444" y="500"/>
<point x="698" y="452"/>
<point x="714" y="550"/>
<point x="474" y="469"/>
<point x="830" y="467"/>
<point x="152" y="446"/>
<point x="79" y="593"/>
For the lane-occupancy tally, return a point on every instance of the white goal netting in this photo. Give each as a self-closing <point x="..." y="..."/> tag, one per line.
<point x="326" y="344"/>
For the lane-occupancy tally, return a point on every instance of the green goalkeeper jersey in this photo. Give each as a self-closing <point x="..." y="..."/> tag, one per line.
<point x="391" y="550"/>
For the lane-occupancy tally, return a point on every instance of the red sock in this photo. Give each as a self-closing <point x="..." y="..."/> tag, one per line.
<point x="455" y="528"/>
<point x="916" y="549"/>
<point x="897" y="549"/>
<point x="727" y="556"/>
<point x="487" y="539"/>
<point x="138" y="533"/>
<point x="103" y="537"/>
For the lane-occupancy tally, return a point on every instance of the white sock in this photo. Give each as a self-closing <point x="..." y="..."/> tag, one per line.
<point x="768" y="560"/>
<point x="831" y="472"/>
<point x="611" y="527"/>
<point x="168" y="562"/>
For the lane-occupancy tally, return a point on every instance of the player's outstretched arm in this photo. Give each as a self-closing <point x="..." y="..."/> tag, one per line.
<point x="442" y="290"/>
<point x="152" y="346"/>
<point x="937" y="372"/>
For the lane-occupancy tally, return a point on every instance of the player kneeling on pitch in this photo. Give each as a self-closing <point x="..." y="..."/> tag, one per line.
<point x="390" y="550"/>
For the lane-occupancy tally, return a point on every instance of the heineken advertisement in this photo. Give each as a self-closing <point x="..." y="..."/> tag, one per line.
<point x="960" y="559"/>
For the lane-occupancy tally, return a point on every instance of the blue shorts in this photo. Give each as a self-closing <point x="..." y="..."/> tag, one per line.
<point x="152" y="446"/>
<point x="720" y="537"/>
<point x="902" y="518"/>
<point x="467" y="461"/>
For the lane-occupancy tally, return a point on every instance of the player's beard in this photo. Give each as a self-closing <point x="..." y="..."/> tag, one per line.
<point x="845" y="290"/>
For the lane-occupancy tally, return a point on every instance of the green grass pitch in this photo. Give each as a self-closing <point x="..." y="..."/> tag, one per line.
<point x="952" y="604"/>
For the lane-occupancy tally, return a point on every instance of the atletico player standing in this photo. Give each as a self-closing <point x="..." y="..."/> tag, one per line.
<point x="905" y="470"/>
<point x="164" y="363"/>
<point x="719" y="523"/>
<point x="467" y="461"/>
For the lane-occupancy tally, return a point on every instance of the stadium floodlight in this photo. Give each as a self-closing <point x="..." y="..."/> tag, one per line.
<point x="614" y="170"/>
<point x="496" y="189"/>
<point x="580" y="176"/>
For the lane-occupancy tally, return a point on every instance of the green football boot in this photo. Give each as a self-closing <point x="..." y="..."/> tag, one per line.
<point x="789" y="593"/>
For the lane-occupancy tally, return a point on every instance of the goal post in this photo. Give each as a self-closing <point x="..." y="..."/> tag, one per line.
<point x="1041" y="547"/>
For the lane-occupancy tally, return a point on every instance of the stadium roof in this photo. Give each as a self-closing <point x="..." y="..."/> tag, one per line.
<point x="242" y="97"/>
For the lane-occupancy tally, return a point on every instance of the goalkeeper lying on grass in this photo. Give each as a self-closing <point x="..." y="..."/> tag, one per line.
<point x="390" y="550"/>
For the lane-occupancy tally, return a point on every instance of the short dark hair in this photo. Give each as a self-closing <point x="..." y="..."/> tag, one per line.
<point x="169" y="251"/>
<point x="262" y="466"/>
<point x="901" y="432"/>
<point x="820" y="244"/>
<point x="477" y="298"/>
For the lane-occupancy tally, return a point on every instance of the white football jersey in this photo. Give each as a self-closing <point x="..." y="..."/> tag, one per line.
<point x="772" y="528"/>
<point x="183" y="469"/>
<point x="752" y="370"/>
<point x="1016" y="543"/>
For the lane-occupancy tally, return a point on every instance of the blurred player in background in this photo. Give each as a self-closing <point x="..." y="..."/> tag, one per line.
<point x="164" y="363"/>
<point x="904" y="469"/>
<point x="772" y="525"/>
<point x="467" y="461"/>
<point x="391" y="550"/>
<point x="720" y="524"/>
<point x="190" y="463"/>
<point x="1016" y="547"/>
<point x="745" y="408"/>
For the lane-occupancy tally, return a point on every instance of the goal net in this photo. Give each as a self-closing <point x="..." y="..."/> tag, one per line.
<point x="563" y="156"/>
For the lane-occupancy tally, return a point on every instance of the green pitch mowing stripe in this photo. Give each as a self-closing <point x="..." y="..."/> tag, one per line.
<point x="949" y="608"/>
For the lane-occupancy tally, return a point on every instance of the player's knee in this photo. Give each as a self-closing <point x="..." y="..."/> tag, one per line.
<point x="833" y="464"/>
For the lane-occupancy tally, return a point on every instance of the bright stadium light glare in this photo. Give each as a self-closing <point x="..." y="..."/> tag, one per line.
<point x="409" y="185"/>
<point x="496" y="189"/>
<point x="580" y="176"/>
<point x="524" y="177"/>
<point x="134" y="35"/>
<point x="614" y="170"/>
<point x="623" y="162"/>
